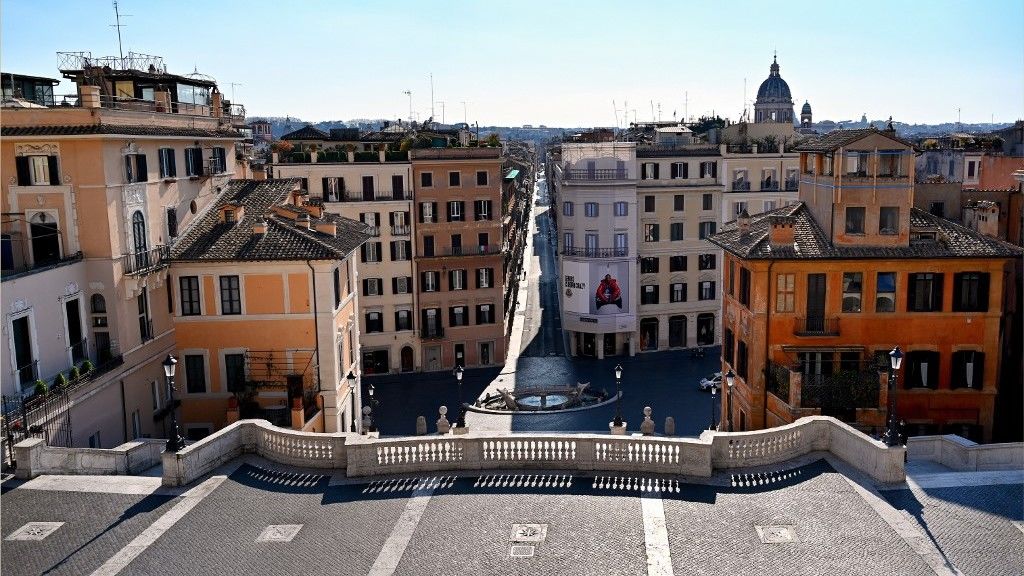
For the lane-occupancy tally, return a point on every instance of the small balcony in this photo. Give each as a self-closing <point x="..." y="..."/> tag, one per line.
<point x="463" y="251"/>
<point x="145" y="261"/>
<point x="816" y="326"/>
<point x="584" y="174"/>
<point x="619" y="252"/>
<point x="401" y="230"/>
<point x="769" y="185"/>
<point x="741" y="186"/>
<point x="792" y="185"/>
<point x="21" y="272"/>
<point x="368" y="196"/>
<point x="27" y="374"/>
<point x="432" y="333"/>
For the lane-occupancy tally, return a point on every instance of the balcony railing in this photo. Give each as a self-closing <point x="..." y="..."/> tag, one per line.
<point x="145" y="261"/>
<point x="619" y="252"/>
<point x="378" y="196"/>
<point x="741" y="186"/>
<point x="462" y="251"/>
<point x="792" y="185"/>
<point x="844" y="390"/>
<point x="373" y="230"/>
<point x="79" y="350"/>
<point x="435" y="332"/>
<point x="816" y="326"/>
<point x="401" y="230"/>
<point x="769" y="185"/>
<point x="596" y="174"/>
<point x="28" y="373"/>
<point x="21" y="272"/>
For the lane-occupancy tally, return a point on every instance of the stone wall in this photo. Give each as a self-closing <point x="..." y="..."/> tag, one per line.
<point x="35" y="457"/>
<point x="961" y="454"/>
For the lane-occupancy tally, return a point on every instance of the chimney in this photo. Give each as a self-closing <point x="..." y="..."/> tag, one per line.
<point x="216" y="100"/>
<point x="743" y="223"/>
<point x="315" y="210"/>
<point x="302" y="221"/>
<point x="329" y="228"/>
<point x="89" y="96"/>
<point x="780" y="232"/>
<point x="259" y="228"/>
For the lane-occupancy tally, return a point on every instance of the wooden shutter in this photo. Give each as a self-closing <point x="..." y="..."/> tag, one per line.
<point x="128" y="168"/>
<point x="173" y="170"/>
<point x="408" y="249"/>
<point x="393" y="251"/>
<point x="324" y="187"/>
<point x="362" y="253"/>
<point x="686" y="170"/>
<point x="394" y="285"/>
<point x="54" y="171"/>
<point x="674" y="171"/>
<point x="140" y="165"/>
<point x="24" y="172"/>
<point x="643" y="171"/>
<point x="366" y="286"/>
<point x="983" y="293"/>
<point x="714" y="169"/>
<point x="656" y="167"/>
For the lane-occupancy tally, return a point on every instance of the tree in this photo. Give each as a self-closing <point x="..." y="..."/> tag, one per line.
<point x="705" y="123"/>
<point x="493" y="140"/>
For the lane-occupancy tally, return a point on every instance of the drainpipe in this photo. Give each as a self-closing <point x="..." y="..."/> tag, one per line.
<point x="316" y="336"/>
<point x="767" y="332"/>
<point x="124" y="415"/>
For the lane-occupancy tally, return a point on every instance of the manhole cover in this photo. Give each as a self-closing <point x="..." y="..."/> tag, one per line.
<point x="776" y="534"/>
<point x="35" y="531"/>
<point x="521" y="551"/>
<point x="529" y="532"/>
<point x="279" y="533"/>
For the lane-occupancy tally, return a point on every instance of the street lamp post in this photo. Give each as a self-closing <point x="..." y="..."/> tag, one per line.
<point x="892" y="428"/>
<point x="730" y="379"/>
<point x="175" y="442"/>
<point x="461" y="422"/>
<point x="618" y="395"/>
<point x="352" y="386"/>
<point x="714" y="394"/>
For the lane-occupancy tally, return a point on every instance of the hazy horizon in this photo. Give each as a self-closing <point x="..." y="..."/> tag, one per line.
<point x="555" y="63"/>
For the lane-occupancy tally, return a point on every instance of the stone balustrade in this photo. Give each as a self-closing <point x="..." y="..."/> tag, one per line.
<point x="961" y="454"/>
<point x="362" y="456"/>
<point x="34" y="457"/>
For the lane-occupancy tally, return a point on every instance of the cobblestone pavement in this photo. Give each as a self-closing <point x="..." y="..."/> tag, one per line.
<point x="95" y="527"/>
<point x="583" y="524"/>
<point x="973" y="526"/>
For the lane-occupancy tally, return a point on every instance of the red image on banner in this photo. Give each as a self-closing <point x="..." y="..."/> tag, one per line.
<point x="608" y="292"/>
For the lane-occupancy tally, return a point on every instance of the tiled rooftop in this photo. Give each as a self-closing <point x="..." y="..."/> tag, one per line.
<point x="836" y="139"/>
<point x="811" y="242"/>
<point x="211" y="240"/>
<point x="116" y="129"/>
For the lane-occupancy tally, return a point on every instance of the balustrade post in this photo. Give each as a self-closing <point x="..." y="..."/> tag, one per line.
<point x="586" y="449"/>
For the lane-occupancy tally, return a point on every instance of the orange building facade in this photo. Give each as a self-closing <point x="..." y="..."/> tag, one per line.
<point x="818" y="293"/>
<point x="265" y="312"/>
<point x="458" y="261"/>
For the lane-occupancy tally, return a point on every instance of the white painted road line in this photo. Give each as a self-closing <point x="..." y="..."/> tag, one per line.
<point x="131" y="551"/>
<point x="659" y="557"/>
<point x="100" y="484"/>
<point x="391" y="553"/>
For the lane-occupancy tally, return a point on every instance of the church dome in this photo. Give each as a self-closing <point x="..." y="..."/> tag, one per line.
<point x="806" y="109"/>
<point x="774" y="87"/>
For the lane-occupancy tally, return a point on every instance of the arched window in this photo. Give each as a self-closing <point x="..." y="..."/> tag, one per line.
<point x="139" y="240"/>
<point x="45" y="239"/>
<point x="99" y="304"/>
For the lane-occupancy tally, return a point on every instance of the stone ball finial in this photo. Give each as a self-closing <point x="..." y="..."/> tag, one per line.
<point x="647" y="411"/>
<point x="367" y="410"/>
<point x="442" y="410"/>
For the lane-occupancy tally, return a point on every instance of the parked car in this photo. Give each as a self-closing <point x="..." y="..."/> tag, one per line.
<point x="711" y="380"/>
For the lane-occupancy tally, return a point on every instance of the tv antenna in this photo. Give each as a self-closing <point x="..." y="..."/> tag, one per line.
<point x="409" y="94"/>
<point x="441" y="102"/>
<point x="233" y="84"/>
<point x="118" y="26"/>
<point x="465" y="115"/>
<point x="431" y="94"/>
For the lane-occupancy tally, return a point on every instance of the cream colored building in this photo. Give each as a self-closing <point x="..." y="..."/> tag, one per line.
<point x="758" y="180"/>
<point x="679" y="199"/>
<point x="594" y="189"/>
<point x="380" y="194"/>
<point x="98" y="191"/>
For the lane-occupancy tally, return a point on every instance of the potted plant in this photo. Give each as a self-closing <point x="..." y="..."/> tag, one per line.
<point x="87" y="367"/>
<point x="40" y="388"/>
<point x="74" y="374"/>
<point x="60" y="382"/>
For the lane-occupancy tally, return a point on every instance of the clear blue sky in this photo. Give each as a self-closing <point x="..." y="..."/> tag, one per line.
<point x="559" y="63"/>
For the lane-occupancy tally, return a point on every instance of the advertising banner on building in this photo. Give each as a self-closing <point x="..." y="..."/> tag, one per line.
<point x="599" y="288"/>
